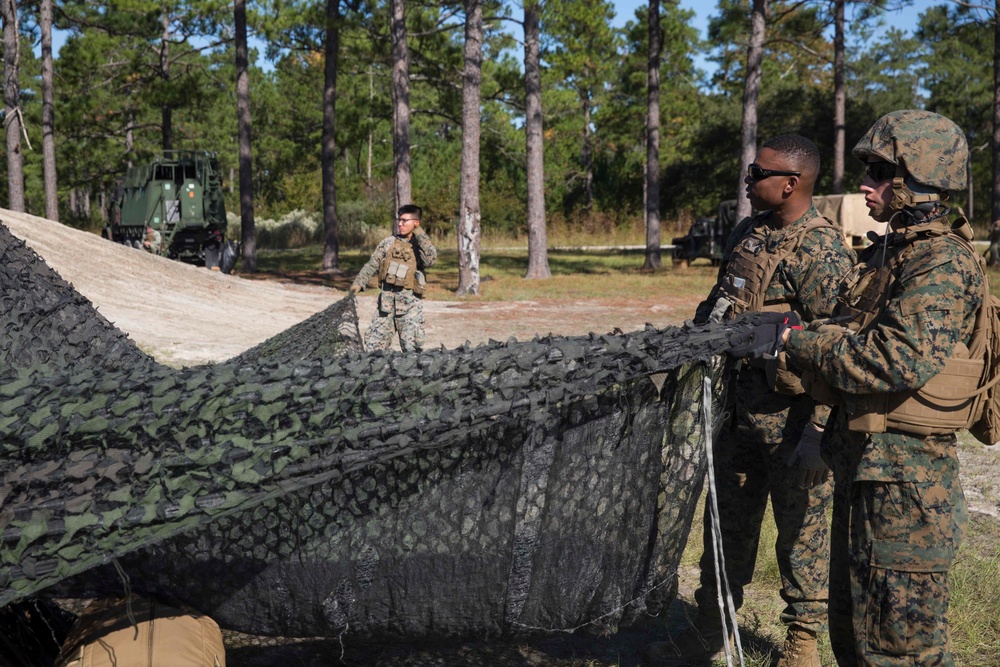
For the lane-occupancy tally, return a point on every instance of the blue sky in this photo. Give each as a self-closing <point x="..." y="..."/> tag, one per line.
<point x="905" y="19"/>
<point x="703" y="9"/>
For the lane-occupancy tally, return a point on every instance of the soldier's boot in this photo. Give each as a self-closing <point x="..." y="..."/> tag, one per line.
<point x="801" y="649"/>
<point x="701" y="643"/>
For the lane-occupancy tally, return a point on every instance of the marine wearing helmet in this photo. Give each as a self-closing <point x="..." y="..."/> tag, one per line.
<point x="926" y="155"/>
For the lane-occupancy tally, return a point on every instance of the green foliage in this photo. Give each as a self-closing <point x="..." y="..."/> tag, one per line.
<point x="112" y="90"/>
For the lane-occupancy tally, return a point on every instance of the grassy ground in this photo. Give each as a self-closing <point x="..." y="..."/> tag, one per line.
<point x="974" y="613"/>
<point x="575" y="274"/>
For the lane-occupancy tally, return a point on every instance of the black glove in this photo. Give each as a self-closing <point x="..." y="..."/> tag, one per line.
<point x="790" y="318"/>
<point x="756" y="340"/>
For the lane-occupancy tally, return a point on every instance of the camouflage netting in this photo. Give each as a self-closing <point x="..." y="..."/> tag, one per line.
<point x="506" y="487"/>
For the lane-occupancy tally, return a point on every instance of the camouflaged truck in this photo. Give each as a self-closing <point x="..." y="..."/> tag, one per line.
<point x="175" y="199"/>
<point x="707" y="236"/>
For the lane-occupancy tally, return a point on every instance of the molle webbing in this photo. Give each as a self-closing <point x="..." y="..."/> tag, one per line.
<point x="949" y="401"/>
<point x="755" y="260"/>
<point x="399" y="266"/>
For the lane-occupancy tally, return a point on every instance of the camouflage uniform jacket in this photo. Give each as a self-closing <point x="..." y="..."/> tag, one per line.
<point x="810" y="276"/>
<point x="423" y="248"/>
<point x="931" y="307"/>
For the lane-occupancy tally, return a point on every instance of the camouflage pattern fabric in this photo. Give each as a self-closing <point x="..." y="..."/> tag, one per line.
<point x="399" y="312"/>
<point x="753" y="452"/>
<point x="897" y="563"/>
<point x="387" y="495"/>
<point x="931" y="148"/>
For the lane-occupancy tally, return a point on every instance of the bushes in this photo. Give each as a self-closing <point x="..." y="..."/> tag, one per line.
<point x="361" y="224"/>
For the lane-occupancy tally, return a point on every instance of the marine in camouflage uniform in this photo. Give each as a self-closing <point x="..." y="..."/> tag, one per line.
<point x="756" y="453"/>
<point x="899" y="510"/>
<point x="400" y="261"/>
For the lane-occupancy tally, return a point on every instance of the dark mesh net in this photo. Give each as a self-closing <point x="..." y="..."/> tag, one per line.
<point x="502" y="488"/>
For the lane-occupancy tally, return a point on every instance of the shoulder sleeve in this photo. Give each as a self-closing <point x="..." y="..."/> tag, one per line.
<point x="425" y="249"/>
<point x="822" y="261"/>
<point x="369" y="269"/>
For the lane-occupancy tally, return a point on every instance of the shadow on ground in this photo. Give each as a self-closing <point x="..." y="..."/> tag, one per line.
<point x="579" y="649"/>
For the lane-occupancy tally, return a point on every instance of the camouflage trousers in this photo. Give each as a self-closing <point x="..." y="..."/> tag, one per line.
<point x="893" y="544"/>
<point x="399" y="313"/>
<point x="747" y="471"/>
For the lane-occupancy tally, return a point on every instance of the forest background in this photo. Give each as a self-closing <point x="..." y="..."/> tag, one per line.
<point x="133" y="77"/>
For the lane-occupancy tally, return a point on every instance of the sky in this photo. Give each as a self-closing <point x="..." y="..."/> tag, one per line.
<point x="906" y="19"/>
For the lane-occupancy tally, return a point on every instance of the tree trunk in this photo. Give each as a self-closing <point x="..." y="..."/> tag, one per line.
<point x="166" y="111"/>
<point x="247" y="230"/>
<point x="751" y="91"/>
<point x="839" y="100"/>
<point x="48" y="116"/>
<point x="587" y="155"/>
<point x="653" y="260"/>
<point x="469" y="221"/>
<point x="400" y="107"/>
<point x="538" y="261"/>
<point x="996" y="118"/>
<point x="12" y="106"/>
<point x="331" y="237"/>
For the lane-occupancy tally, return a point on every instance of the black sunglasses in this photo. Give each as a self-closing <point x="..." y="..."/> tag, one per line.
<point x="758" y="173"/>
<point x="880" y="171"/>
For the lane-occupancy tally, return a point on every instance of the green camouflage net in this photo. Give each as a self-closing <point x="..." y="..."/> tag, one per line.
<point x="307" y="488"/>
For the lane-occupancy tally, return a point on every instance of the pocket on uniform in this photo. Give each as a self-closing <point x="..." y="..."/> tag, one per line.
<point x="907" y="598"/>
<point x="384" y="306"/>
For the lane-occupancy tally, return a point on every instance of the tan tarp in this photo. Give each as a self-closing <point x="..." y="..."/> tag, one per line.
<point x="111" y="633"/>
<point x="850" y="213"/>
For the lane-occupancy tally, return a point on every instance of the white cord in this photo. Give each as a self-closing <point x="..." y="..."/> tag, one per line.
<point x="721" y="580"/>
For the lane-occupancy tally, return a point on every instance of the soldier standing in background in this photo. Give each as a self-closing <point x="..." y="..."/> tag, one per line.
<point x="787" y="257"/>
<point x="400" y="261"/>
<point x="151" y="242"/>
<point x="899" y="512"/>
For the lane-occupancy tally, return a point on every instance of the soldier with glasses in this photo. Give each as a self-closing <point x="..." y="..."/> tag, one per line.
<point x="787" y="257"/>
<point x="400" y="261"/>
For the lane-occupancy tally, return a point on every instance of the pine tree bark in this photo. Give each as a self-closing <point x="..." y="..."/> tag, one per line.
<point x="538" y="261"/>
<point x="469" y="213"/>
<point x="996" y="126"/>
<point x="751" y="93"/>
<point x="166" y="111"/>
<point x="13" y="121"/>
<point x="331" y="236"/>
<point x="48" y="115"/>
<point x="653" y="259"/>
<point x="247" y="229"/>
<point x="400" y="107"/>
<point x="839" y="99"/>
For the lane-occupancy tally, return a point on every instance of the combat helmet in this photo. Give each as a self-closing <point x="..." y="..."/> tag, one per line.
<point x="930" y="153"/>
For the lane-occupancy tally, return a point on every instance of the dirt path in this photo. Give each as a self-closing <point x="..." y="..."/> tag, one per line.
<point x="184" y="315"/>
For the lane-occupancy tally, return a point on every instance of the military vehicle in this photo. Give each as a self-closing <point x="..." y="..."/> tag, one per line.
<point x="173" y="206"/>
<point x="707" y="236"/>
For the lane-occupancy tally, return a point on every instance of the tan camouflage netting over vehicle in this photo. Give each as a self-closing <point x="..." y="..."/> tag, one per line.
<point x="305" y="488"/>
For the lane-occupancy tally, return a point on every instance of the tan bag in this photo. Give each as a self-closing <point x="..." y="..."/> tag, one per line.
<point x="162" y="636"/>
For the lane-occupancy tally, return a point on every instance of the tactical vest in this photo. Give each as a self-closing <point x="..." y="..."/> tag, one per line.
<point x="744" y="287"/>
<point x="753" y="263"/>
<point x="399" y="266"/>
<point x="948" y="401"/>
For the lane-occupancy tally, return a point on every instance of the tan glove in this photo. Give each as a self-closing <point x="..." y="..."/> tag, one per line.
<point x="355" y="289"/>
<point x="812" y="469"/>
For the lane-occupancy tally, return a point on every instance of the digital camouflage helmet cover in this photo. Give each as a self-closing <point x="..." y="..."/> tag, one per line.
<point x="930" y="153"/>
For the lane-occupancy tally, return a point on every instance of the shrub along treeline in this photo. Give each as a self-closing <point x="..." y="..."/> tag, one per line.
<point x="129" y="77"/>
